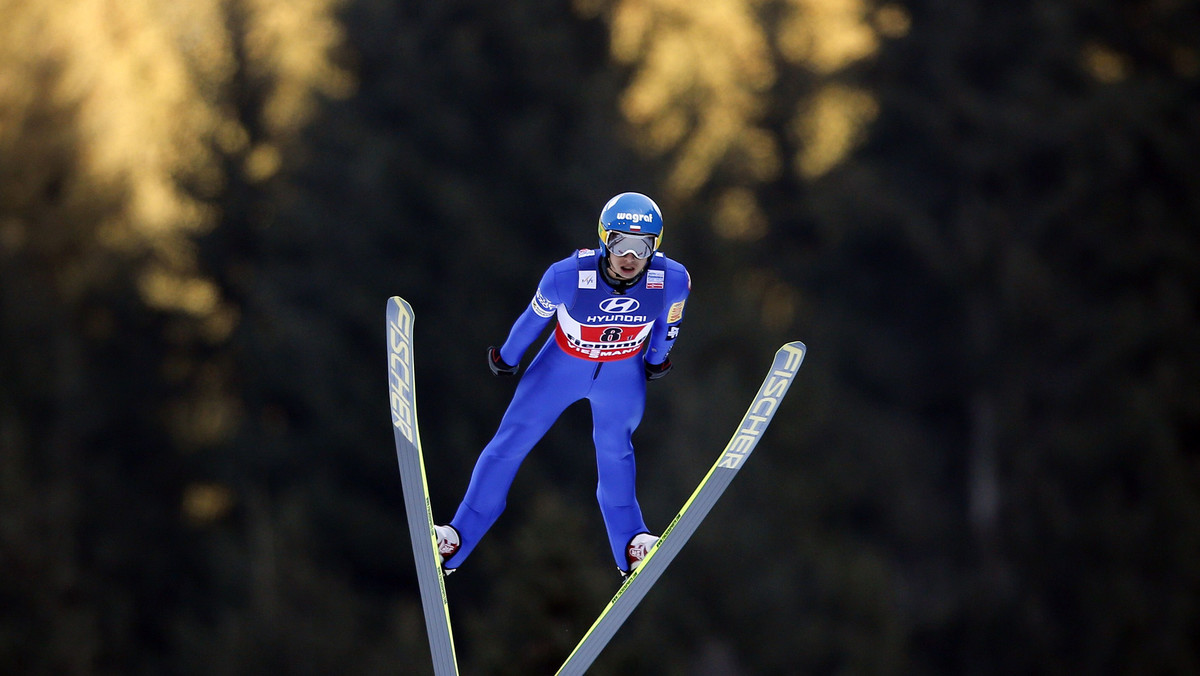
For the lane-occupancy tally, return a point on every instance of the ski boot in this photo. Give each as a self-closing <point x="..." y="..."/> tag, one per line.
<point x="448" y="544"/>
<point x="637" y="550"/>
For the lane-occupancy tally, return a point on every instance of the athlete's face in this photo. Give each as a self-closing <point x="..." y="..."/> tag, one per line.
<point x="627" y="266"/>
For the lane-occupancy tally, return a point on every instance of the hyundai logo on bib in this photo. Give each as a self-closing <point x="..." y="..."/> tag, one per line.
<point x="618" y="310"/>
<point x="619" y="305"/>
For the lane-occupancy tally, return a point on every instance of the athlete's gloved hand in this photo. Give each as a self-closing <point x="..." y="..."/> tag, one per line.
<point x="497" y="365"/>
<point x="656" y="371"/>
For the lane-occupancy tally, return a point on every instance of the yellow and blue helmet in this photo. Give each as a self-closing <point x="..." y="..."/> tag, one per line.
<point x="631" y="223"/>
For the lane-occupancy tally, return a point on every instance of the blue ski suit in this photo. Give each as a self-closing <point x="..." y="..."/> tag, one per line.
<point x="596" y="351"/>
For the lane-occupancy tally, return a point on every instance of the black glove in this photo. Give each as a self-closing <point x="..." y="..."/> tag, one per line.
<point x="497" y="365"/>
<point x="656" y="371"/>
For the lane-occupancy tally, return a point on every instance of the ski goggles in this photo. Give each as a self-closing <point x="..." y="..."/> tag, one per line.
<point x="622" y="243"/>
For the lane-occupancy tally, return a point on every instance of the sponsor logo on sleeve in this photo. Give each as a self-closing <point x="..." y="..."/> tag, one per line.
<point x="542" y="305"/>
<point x="676" y="312"/>
<point x="673" y="333"/>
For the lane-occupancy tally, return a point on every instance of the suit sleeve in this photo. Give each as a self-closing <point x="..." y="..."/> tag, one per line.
<point x="666" y="326"/>
<point x="533" y="320"/>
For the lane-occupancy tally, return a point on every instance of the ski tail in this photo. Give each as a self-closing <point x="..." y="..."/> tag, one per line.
<point x="758" y="416"/>
<point x="402" y="396"/>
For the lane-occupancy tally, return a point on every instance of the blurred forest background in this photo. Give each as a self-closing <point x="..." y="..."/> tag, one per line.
<point x="982" y="217"/>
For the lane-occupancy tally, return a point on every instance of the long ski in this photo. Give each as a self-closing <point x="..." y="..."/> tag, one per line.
<point x="416" y="488"/>
<point x="787" y="361"/>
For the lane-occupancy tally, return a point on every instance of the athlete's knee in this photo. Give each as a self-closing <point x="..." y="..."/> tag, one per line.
<point x="514" y="439"/>
<point x="614" y="454"/>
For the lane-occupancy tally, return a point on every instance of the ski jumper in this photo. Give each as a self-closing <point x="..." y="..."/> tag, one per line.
<point x="596" y="351"/>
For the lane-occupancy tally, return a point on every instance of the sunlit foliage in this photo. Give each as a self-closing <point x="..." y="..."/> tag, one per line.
<point x="705" y="75"/>
<point x="829" y="125"/>
<point x="825" y="37"/>
<point x="701" y="74"/>
<point x="150" y="91"/>
<point x="147" y="106"/>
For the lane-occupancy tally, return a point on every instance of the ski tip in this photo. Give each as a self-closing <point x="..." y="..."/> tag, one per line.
<point x="795" y="347"/>
<point x="399" y="306"/>
<point x="791" y="355"/>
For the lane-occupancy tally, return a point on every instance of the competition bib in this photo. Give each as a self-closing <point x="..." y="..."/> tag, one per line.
<point x="606" y="336"/>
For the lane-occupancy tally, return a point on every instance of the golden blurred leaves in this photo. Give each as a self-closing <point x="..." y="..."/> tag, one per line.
<point x="1104" y="63"/>
<point x="288" y="43"/>
<point x="119" y="120"/>
<point x="738" y="216"/>
<point x="204" y="503"/>
<point x="704" y="78"/>
<point x="829" y="128"/>
<point x="701" y="72"/>
<point x="150" y="90"/>
<point x="704" y="74"/>
<point x="827" y="35"/>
